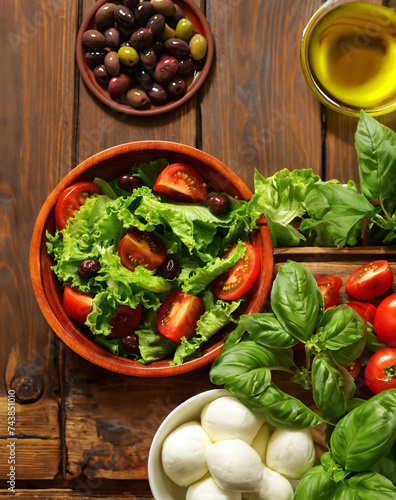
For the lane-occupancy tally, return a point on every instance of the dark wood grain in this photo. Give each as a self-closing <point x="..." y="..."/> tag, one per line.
<point x="257" y="110"/>
<point x="36" y="109"/>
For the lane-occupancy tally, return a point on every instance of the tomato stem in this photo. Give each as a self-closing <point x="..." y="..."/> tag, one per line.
<point x="390" y="372"/>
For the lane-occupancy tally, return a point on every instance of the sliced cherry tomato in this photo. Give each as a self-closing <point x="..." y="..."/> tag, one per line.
<point x="329" y="287"/>
<point x="239" y="278"/>
<point x="178" y="315"/>
<point x="141" y="248"/>
<point x="125" y="321"/>
<point x="370" y="280"/>
<point x="364" y="309"/>
<point x="71" y="200"/>
<point x="77" y="304"/>
<point x="181" y="182"/>
<point x="380" y="373"/>
<point x="385" y="321"/>
<point x="354" y="368"/>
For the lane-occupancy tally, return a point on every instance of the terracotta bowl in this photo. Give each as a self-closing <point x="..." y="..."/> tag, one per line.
<point x="108" y="165"/>
<point x="201" y="26"/>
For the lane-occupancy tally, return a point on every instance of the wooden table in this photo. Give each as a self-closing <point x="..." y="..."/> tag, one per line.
<point x="82" y="431"/>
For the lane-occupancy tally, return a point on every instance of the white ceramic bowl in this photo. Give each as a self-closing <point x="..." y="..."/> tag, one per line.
<point x="161" y="486"/>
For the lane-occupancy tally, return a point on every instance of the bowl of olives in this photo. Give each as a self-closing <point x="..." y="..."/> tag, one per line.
<point x="64" y="303"/>
<point x="144" y="57"/>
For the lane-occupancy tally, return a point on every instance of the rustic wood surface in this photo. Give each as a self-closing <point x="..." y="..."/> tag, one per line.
<point x="81" y="431"/>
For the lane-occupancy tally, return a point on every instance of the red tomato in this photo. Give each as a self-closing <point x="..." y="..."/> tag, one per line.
<point x="178" y="315"/>
<point x="354" y="368"/>
<point x="181" y="182"/>
<point x="71" y="200"/>
<point x="370" y="281"/>
<point x="385" y="320"/>
<point x="77" y="304"/>
<point x="329" y="287"/>
<point x="141" y="248"/>
<point x="380" y="371"/>
<point x="364" y="309"/>
<point x="239" y="278"/>
<point x="125" y="321"/>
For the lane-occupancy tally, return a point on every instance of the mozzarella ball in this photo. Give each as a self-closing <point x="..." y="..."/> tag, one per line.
<point x="207" y="489"/>
<point x="291" y="452"/>
<point x="234" y="465"/>
<point x="228" y="418"/>
<point x="260" y="442"/>
<point x="183" y="454"/>
<point x="273" y="487"/>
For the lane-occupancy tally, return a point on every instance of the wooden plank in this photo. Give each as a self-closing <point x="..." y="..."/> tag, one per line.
<point x="257" y="110"/>
<point x="66" y="494"/>
<point x="37" y="124"/>
<point x="111" y="419"/>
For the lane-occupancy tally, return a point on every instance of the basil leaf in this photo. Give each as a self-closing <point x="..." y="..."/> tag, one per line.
<point x="376" y="149"/>
<point x="329" y="203"/>
<point x="280" y="409"/>
<point x="315" y="484"/>
<point x="366" y="434"/>
<point x="234" y="337"/>
<point x="266" y="330"/>
<point x="373" y="343"/>
<point x="365" y="486"/>
<point x="296" y="300"/>
<point x="343" y="332"/>
<point x="387" y="467"/>
<point x="328" y="388"/>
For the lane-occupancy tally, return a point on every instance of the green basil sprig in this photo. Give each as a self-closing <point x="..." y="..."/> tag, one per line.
<point x="376" y="149"/>
<point x="335" y="338"/>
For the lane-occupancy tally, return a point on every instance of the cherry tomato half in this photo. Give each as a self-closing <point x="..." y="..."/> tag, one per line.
<point x="178" y="315"/>
<point x="354" y="368"/>
<point x="77" y="304"/>
<point x="385" y="321"/>
<point x="380" y="373"/>
<point x="370" y="280"/>
<point x="125" y="321"/>
<point x="181" y="182"/>
<point x="329" y="287"/>
<point x="141" y="248"/>
<point x="71" y="200"/>
<point x="364" y="309"/>
<point x="239" y="278"/>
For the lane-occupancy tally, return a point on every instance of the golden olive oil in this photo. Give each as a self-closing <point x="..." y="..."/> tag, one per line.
<point x="352" y="55"/>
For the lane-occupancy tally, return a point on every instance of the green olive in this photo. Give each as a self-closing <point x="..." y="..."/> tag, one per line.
<point x="198" y="47"/>
<point x="164" y="7"/>
<point x="168" y="33"/>
<point x="184" y="30"/>
<point x="128" y="56"/>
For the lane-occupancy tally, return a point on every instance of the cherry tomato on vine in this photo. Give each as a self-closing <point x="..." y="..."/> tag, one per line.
<point x="354" y="368"/>
<point x="370" y="280"/>
<point x="385" y="321"/>
<point x="77" y="304"/>
<point x="141" y="248"/>
<point x="239" y="278"/>
<point x="125" y="321"/>
<point x="71" y="199"/>
<point x="364" y="309"/>
<point x="181" y="182"/>
<point x="380" y="373"/>
<point x="178" y="315"/>
<point x="329" y="287"/>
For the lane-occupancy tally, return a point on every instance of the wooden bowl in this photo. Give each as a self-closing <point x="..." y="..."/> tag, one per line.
<point x="201" y="26"/>
<point x="108" y="165"/>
